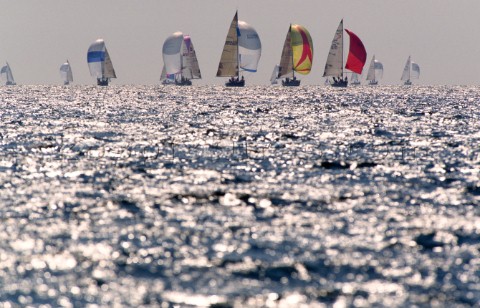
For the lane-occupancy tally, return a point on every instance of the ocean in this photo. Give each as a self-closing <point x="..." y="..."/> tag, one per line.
<point x="261" y="196"/>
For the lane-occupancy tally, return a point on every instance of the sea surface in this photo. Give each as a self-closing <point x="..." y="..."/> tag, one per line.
<point x="250" y="197"/>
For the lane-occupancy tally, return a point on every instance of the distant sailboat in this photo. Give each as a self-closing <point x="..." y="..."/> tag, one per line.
<point x="355" y="80"/>
<point x="180" y="60"/>
<point x="7" y="75"/>
<point x="273" y="78"/>
<point x="357" y="56"/>
<point x="297" y="55"/>
<point x="99" y="63"/>
<point x="242" y="51"/>
<point x="66" y="73"/>
<point x="410" y="71"/>
<point x="375" y="71"/>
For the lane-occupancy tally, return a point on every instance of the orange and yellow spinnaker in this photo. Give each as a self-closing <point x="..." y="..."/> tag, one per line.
<point x="302" y="48"/>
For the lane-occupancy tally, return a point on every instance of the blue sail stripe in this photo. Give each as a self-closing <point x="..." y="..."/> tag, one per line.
<point x="96" y="56"/>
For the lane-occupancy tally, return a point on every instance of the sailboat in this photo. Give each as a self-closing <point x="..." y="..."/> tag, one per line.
<point x="357" y="56"/>
<point x="273" y="78"/>
<point x="297" y="55"/>
<point x="375" y="71"/>
<point x="7" y="75"/>
<point x="410" y="71"/>
<point x="180" y="60"/>
<point x="242" y="51"/>
<point x="66" y="73"/>
<point x="355" y="80"/>
<point x="99" y="63"/>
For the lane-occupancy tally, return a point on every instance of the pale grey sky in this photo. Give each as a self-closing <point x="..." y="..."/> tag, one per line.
<point x="38" y="36"/>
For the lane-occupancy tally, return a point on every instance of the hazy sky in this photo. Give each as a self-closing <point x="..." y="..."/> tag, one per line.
<point x="38" y="36"/>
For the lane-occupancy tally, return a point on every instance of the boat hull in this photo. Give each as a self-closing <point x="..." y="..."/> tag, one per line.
<point x="102" y="82"/>
<point x="235" y="83"/>
<point x="291" y="83"/>
<point x="340" y="84"/>
<point x="373" y="83"/>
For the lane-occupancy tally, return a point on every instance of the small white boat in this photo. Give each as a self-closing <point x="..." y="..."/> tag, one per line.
<point x="66" y="73"/>
<point x="180" y="60"/>
<point x="410" y="71"/>
<point x="7" y="75"/>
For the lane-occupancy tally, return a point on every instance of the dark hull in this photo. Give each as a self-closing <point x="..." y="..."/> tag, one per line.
<point x="291" y="83"/>
<point x="185" y="82"/>
<point x="234" y="83"/>
<point x="339" y="84"/>
<point x="102" y="82"/>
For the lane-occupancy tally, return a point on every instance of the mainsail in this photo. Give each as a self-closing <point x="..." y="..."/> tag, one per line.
<point x="66" y="73"/>
<point x="406" y="70"/>
<point x="99" y="61"/>
<point x="191" y="69"/>
<point x="228" y="65"/>
<point x="357" y="55"/>
<point x="171" y="51"/>
<point x="7" y="75"/>
<point x="334" y="65"/>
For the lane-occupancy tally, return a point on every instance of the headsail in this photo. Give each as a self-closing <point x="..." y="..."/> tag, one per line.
<point x="171" y="53"/>
<point x="357" y="55"/>
<point x="334" y="65"/>
<point x="228" y="65"/>
<point x="99" y="61"/>
<point x="273" y="78"/>
<point x="249" y="47"/>
<point x="302" y="48"/>
<point x="415" y="74"/>
<point x="66" y="72"/>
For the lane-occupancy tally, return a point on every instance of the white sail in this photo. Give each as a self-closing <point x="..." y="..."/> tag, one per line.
<point x="66" y="72"/>
<point x="273" y="78"/>
<point x="7" y="75"/>
<point x="172" y="58"/>
<point x="415" y="73"/>
<point x="375" y="70"/>
<point x="406" y="70"/>
<point x="99" y="61"/>
<point x="249" y="47"/>
<point x="228" y="65"/>
<point x="334" y="65"/>
<point x="191" y="69"/>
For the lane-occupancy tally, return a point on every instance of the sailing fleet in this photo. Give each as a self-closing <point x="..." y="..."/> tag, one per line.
<point x="241" y="53"/>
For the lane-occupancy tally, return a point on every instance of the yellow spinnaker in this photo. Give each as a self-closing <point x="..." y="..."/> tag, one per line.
<point x="302" y="48"/>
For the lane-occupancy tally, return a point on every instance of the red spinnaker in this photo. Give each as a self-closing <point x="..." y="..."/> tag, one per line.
<point x="357" y="55"/>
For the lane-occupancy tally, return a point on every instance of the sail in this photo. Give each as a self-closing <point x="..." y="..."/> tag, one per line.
<point x="191" y="69"/>
<point x="334" y="65"/>
<point x="66" y="72"/>
<point x="249" y="47"/>
<point x="171" y="53"/>
<point x="228" y="65"/>
<point x="357" y="55"/>
<point x="275" y="73"/>
<point x="108" y="71"/>
<point x="406" y="70"/>
<point x="415" y="74"/>
<point x="286" y="60"/>
<point x="302" y="48"/>
<point x="99" y="61"/>
<point x="378" y="69"/>
<point x="96" y="58"/>
<point x="6" y="73"/>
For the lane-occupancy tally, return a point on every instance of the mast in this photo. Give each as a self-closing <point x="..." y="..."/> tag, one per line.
<point x="341" y="22"/>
